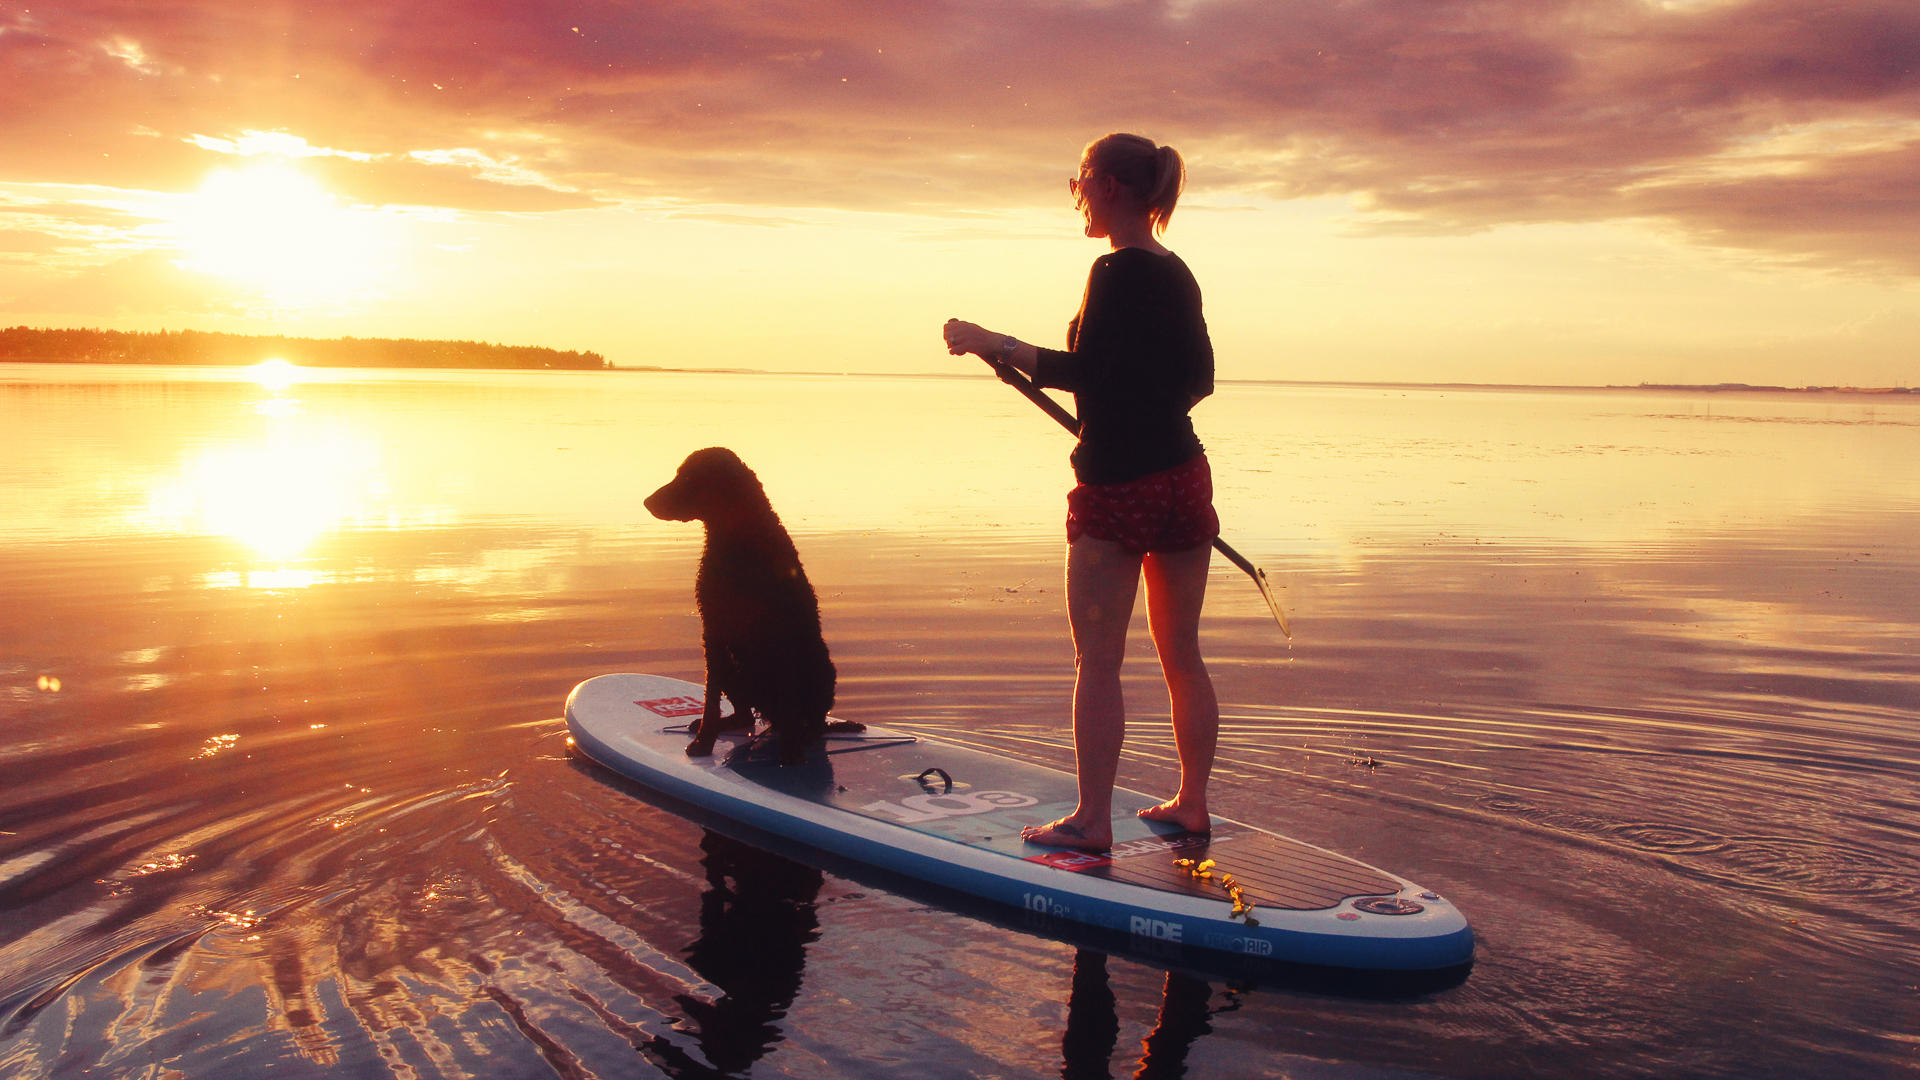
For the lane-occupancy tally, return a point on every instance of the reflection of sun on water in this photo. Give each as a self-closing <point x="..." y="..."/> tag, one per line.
<point x="277" y="495"/>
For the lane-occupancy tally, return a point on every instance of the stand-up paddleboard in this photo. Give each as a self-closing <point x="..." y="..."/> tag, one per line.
<point x="951" y="816"/>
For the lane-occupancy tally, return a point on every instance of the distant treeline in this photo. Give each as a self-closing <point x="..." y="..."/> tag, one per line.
<point x="1742" y="388"/>
<point x="28" y="344"/>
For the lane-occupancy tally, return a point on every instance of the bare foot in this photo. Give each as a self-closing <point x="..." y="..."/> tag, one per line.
<point x="1172" y="812"/>
<point x="1064" y="833"/>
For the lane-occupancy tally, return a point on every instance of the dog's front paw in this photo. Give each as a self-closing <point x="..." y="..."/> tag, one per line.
<point x="700" y="747"/>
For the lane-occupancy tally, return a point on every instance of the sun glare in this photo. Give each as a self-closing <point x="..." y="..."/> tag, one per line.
<point x="277" y="495"/>
<point x="275" y="373"/>
<point x="276" y="230"/>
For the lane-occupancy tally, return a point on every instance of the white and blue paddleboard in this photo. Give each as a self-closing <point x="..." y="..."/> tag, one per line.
<point x="950" y="816"/>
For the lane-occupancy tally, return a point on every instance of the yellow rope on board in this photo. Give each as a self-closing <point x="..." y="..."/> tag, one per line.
<point x="1204" y="871"/>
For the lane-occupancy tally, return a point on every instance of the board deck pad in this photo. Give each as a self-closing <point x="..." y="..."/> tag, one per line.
<point x="992" y="798"/>
<point x="1273" y="871"/>
<point x="952" y="814"/>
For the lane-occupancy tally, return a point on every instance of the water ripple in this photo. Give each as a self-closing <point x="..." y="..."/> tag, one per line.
<point x="1797" y="867"/>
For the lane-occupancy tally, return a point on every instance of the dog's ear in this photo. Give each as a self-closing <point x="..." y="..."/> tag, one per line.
<point x="722" y="472"/>
<point x="713" y="463"/>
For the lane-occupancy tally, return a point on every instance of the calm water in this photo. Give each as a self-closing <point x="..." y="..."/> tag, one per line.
<point x="284" y="788"/>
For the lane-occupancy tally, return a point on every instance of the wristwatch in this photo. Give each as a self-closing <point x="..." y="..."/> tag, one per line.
<point x="1008" y="344"/>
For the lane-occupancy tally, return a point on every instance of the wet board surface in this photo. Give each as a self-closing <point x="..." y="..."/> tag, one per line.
<point x="951" y="816"/>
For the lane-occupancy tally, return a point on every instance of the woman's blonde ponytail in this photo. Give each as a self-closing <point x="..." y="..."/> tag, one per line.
<point x="1153" y="174"/>
<point x="1170" y="177"/>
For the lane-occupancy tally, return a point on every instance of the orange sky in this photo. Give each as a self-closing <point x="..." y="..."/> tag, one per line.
<point x="1553" y="191"/>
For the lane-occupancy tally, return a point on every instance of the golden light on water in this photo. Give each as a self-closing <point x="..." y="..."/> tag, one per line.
<point x="277" y="495"/>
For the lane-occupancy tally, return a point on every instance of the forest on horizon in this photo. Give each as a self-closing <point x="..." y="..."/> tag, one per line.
<point x="23" y="344"/>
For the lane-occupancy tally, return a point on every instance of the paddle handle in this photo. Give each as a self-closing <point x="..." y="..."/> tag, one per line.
<point x="1013" y="377"/>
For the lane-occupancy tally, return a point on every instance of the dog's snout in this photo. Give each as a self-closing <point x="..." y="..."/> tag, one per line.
<point x="660" y="505"/>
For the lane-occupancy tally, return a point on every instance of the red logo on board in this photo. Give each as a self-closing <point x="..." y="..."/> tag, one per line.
<point x="673" y="706"/>
<point x="1072" y="860"/>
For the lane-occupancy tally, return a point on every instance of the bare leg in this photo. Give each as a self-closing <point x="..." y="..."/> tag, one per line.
<point x="1176" y="589"/>
<point x="1102" y="580"/>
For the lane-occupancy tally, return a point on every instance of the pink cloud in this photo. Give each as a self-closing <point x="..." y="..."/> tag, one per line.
<point x="1436" y="115"/>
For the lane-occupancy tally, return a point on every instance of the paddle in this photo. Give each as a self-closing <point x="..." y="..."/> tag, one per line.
<point x="1012" y="377"/>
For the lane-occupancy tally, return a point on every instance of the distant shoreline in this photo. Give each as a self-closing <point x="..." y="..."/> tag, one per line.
<point x="536" y="359"/>
<point x="1716" y="388"/>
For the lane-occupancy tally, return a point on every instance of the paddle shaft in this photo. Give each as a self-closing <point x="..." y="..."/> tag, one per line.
<point x="1013" y="377"/>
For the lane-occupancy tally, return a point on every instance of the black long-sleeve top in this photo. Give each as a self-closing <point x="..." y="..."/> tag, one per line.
<point x="1137" y="357"/>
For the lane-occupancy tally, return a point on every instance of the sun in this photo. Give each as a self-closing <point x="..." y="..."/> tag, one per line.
<point x="275" y="373"/>
<point x="276" y="231"/>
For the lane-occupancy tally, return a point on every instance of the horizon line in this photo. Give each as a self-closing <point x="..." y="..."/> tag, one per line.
<point x="1719" y="387"/>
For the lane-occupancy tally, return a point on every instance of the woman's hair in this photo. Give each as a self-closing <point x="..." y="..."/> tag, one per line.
<point x="1152" y="174"/>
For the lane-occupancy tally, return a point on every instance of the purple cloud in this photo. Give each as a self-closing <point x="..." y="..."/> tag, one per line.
<point x="1434" y="115"/>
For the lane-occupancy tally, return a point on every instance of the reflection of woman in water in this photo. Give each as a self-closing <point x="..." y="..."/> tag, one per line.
<point x="1093" y="1023"/>
<point x="1138" y="360"/>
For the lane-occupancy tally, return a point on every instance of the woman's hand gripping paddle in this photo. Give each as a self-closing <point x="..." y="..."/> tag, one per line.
<point x="1012" y="377"/>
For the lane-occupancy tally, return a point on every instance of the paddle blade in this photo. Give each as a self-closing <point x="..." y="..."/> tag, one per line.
<point x="1259" y="577"/>
<point x="1273" y="602"/>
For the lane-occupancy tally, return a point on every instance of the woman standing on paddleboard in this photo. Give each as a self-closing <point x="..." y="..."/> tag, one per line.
<point x="1138" y="358"/>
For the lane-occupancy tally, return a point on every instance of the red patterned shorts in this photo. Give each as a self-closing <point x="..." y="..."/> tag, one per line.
<point x="1164" y="511"/>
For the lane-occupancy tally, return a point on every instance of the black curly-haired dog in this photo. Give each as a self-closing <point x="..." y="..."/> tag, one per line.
<point x="759" y="618"/>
